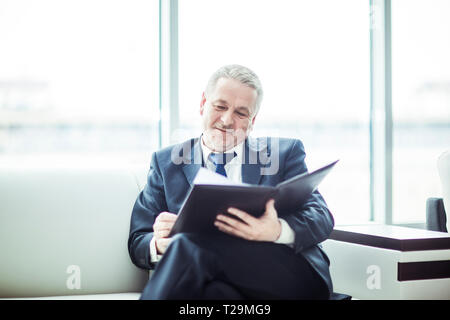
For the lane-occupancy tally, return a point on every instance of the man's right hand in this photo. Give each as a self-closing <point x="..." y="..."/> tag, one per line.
<point x="161" y="228"/>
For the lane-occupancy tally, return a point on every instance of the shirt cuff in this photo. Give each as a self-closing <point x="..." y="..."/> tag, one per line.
<point x="154" y="256"/>
<point x="287" y="235"/>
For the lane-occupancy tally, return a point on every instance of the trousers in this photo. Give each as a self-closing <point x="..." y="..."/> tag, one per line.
<point x="223" y="267"/>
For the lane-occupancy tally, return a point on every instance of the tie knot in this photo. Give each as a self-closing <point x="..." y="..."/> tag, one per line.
<point x="221" y="158"/>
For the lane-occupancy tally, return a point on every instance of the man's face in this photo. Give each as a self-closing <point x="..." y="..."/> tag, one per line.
<point x="228" y="114"/>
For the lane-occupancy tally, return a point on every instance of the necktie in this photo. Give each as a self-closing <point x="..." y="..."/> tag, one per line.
<point x="220" y="160"/>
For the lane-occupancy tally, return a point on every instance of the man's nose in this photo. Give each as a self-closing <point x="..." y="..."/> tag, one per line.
<point x="227" y="118"/>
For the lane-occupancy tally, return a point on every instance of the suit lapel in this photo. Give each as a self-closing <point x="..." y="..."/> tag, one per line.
<point x="192" y="161"/>
<point x="251" y="166"/>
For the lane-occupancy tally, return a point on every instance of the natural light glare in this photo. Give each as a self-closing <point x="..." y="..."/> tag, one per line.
<point x="313" y="61"/>
<point x="79" y="77"/>
<point x="420" y="103"/>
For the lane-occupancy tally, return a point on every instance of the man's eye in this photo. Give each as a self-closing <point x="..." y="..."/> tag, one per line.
<point x="242" y="115"/>
<point x="220" y="107"/>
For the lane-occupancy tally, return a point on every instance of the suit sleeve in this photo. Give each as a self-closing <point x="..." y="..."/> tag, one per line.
<point x="313" y="222"/>
<point x="149" y="204"/>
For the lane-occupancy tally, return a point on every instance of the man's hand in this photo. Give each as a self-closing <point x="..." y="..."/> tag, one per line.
<point x="161" y="228"/>
<point x="265" y="228"/>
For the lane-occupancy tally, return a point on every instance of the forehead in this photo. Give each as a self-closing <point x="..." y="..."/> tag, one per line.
<point x="234" y="93"/>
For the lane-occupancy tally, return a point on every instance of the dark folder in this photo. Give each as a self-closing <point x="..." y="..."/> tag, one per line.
<point x="205" y="201"/>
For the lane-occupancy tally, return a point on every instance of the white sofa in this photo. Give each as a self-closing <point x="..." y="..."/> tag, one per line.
<point x="64" y="231"/>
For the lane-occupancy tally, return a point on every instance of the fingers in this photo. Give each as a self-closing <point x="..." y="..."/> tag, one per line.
<point x="162" y="228"/>
<point x="270" y="209"/>
<point x="244" y="216"/>
<point x="265" y="228"/>
<point x="163" y="224"/>
<point x="231" y="222"/>
<point x="161" y="233"/>
<point x="224" y="227"/>
<point x="162" y="244"/>
<point x="270" y="204"/>
<point x="166" y="217"/>
<point x="233" y="226"/>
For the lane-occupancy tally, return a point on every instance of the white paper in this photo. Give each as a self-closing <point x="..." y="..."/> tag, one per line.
<point x="205" y="176"/>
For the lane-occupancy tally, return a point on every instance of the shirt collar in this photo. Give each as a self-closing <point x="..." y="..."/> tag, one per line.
<point x="207" y="151"/>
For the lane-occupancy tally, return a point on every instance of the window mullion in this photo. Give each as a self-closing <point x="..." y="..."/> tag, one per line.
<point x="381" y="112"/>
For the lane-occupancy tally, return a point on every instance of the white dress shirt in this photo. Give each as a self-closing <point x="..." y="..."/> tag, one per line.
<point x="234" y="172"/>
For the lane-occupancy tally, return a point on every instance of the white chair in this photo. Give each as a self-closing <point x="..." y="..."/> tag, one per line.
<point x="437" y="219"/>
<point x="444" y="174"/>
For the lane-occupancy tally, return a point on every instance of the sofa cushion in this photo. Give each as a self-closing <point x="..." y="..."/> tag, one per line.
<point x="106" y="296"/>
<point x="64" y="231"/>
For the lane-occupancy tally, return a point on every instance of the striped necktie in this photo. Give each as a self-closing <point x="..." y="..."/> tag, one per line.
<point x="220" y="160"/>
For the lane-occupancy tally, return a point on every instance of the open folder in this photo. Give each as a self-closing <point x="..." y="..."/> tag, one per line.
<point x="212" y="194"/>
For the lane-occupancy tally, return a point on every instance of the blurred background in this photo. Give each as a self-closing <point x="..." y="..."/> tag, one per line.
<point x="80" y="84"/>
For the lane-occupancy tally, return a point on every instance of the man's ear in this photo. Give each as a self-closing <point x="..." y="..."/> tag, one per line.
<point x="202" y="103"/>
<point x="250" y="127"/>
<point x="253" y="120"/>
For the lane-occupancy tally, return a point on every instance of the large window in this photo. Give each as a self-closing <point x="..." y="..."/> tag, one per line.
<point x="313" y="60"/>
<point x="420" y="103"/>
<point x="78" y="81"/>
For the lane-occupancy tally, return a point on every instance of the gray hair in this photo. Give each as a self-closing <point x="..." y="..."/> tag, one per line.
<point x="240" y="73"/>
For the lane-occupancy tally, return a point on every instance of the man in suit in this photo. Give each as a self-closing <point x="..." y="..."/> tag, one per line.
<point x="275" y="256"/>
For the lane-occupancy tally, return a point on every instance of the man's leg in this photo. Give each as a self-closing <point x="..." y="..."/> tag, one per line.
<point x="256" y="270"/>
<point x="265" y="270"/>
<point x="220" y="290"/>
<point x="182" y="273"/>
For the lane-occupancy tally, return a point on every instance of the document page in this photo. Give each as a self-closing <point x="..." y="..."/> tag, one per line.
<point x="205" y="176"/>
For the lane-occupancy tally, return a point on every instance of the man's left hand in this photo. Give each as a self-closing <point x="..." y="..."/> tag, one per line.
<point x="265" y="228"/>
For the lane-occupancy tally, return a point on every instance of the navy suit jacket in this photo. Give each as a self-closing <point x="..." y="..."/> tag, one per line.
<point x="173" y="169"/>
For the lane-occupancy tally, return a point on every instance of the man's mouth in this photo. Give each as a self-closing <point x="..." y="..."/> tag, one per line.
<point x="229" y="131"/>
